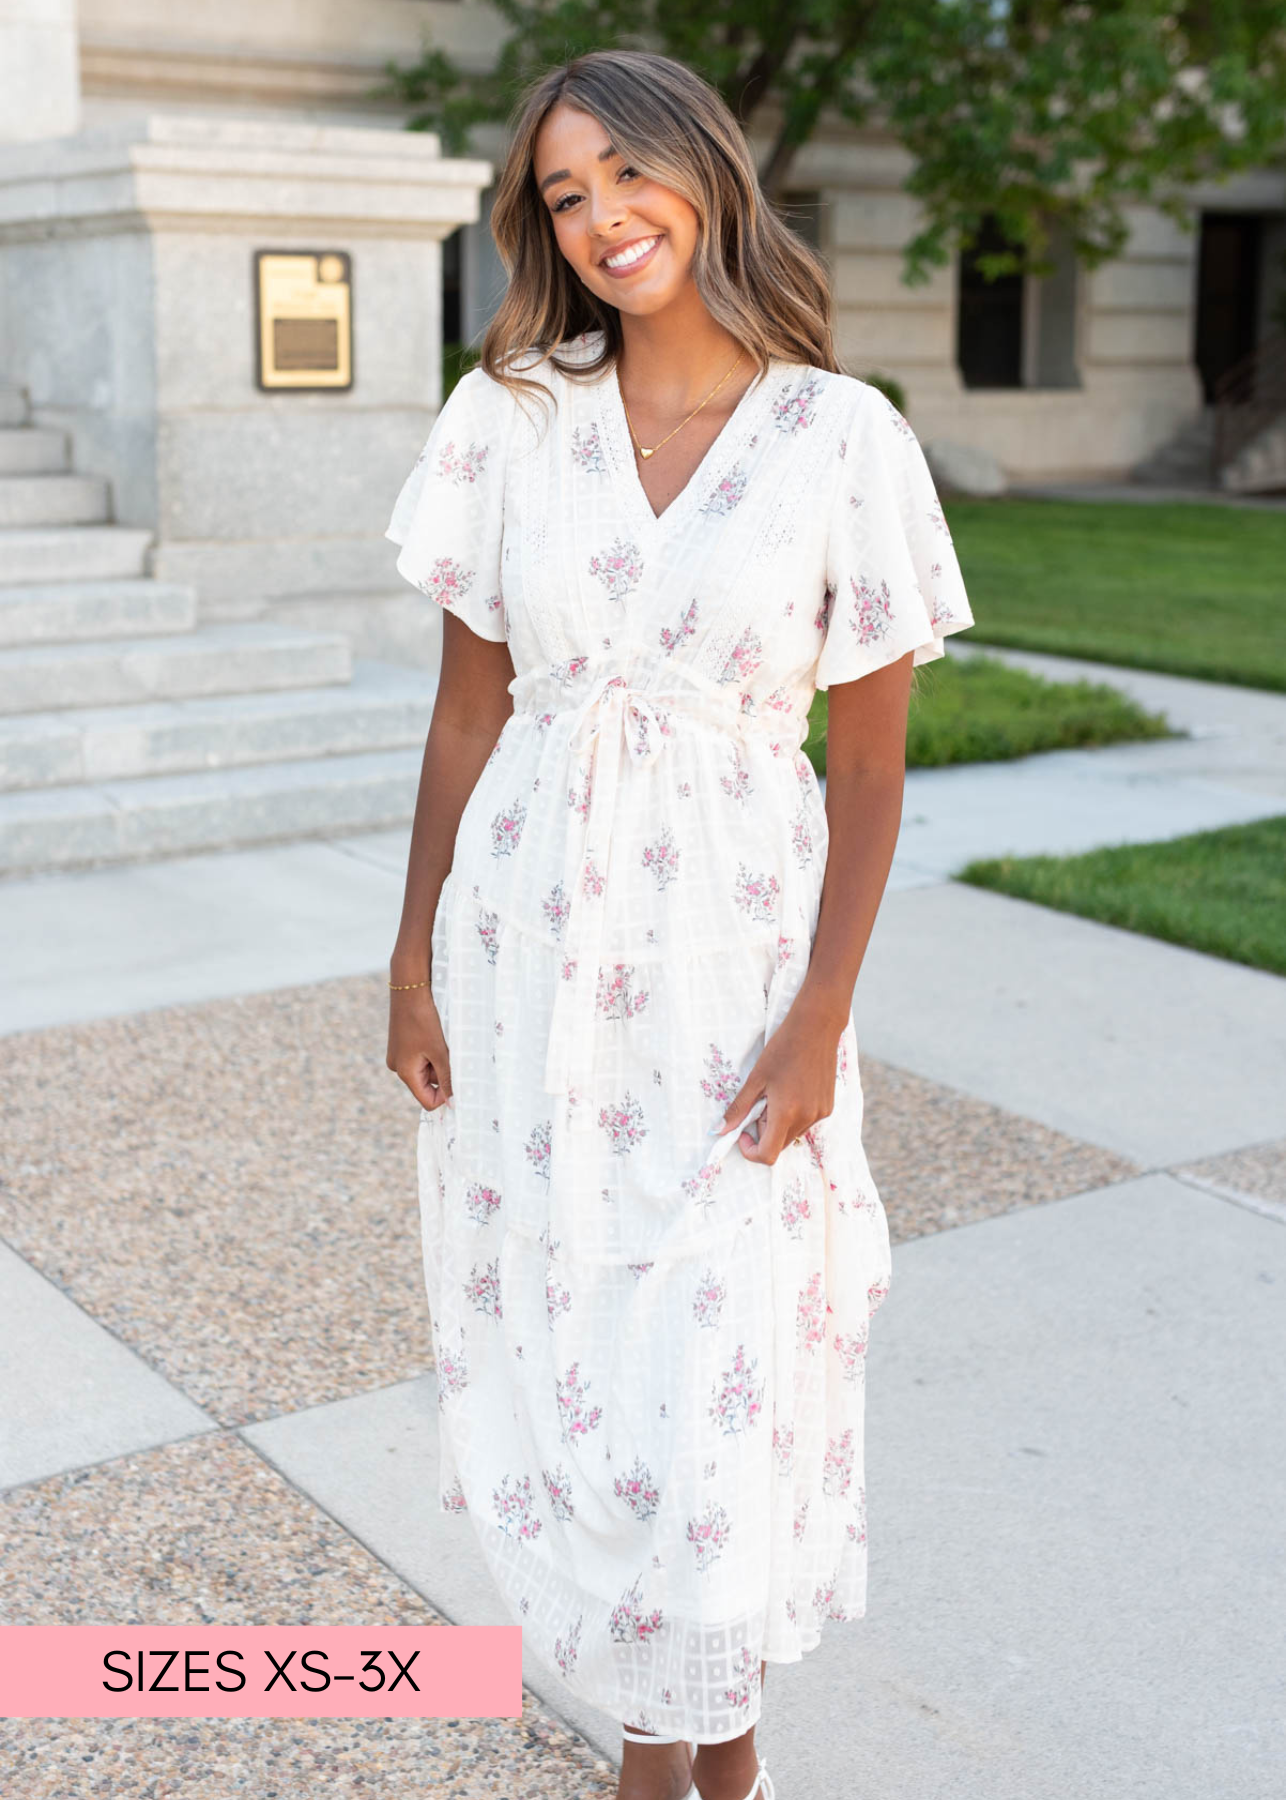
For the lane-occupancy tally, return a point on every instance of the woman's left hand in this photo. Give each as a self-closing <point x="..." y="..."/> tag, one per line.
<point x="796" y="1073"/>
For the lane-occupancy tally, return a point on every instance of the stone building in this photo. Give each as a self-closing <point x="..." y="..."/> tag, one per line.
<point x="175" y="535"/>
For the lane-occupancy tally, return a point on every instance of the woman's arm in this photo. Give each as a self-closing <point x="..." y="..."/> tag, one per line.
<point x="865" y="776"/>
<point x="469" y="714"/>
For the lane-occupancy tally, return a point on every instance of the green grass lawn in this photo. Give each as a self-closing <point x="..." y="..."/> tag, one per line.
<point x="977" y="709"/>
<point x="1223" y="891"/>
<point x="1186" y="589"/>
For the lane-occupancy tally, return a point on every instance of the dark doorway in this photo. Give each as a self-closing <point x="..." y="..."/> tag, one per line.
<point x="989" y="346"/>
<point x="1227" y="292"/>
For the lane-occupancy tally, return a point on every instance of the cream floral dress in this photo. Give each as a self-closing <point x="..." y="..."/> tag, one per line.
<point x="651" y="1351"/>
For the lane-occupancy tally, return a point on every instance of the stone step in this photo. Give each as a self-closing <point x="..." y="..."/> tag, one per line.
<point x="383" y="708"/>
<point x="33" y="450"/>
<point x="218" y="659"/>
<point x="35" y="500"/>
<point x="13" y="404"/>
<point x="168" y="815"/>
<point x="72" y="553"/>
<point x="58" y="612"/>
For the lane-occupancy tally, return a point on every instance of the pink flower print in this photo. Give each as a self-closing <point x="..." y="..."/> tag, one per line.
<point x="824" y="1600"/>
<point x="938" y="523"/>
<point x="481" y="1202"/>
<point x="790" y="1608"/>
<point x="577" y="1420"/>
<point x="506" y="828"/>
<point x="748" y="705"/>
<point x="638" y="1271"/>
<point x="745" y="1678"/>
<point x="514" y="1510"/>
<point x="757" y="895"/>
<point x="824" y="610"/>
<point x="721" y="1081"/>
<point x="623" y="1122"/>
<point x="537" y="1148"/>
<point x="453" y="1372"/>
<point x="638" y="1490"/>
<point x="899" y="423"/>
<point x="810" y="1314"/>
<point x="738" y="785"/>
<point x="724" y="497"/>
<point x="876" y="1294"/>
<point x="850" y="1347"/>
<point x="461" y="465"/>
<point x="482" y="1289"/>
<point x="684" y="790"/>
<point x="841" y="1059"/>
<point x="564" y="673"/>
<point x="699" y="1188"/>
<point x="619" y="569"/>
<point x="745" y="658"/>
<point x="630" y="1623"/>
<point x="738" y="1399"/>
<point x="587" y="452"/>
<point x="796" y="411"/>
<point x="557" y="908"/>
<point x="707" y="1302"/>
<point x="568" y="1649"/>
<point x="489" y="935"/>
<point x="568" y="969"/>
<point x="675" y="640"/>
<point x="707" y="1534"/>
<point x="453" y="1501"/>
<point x="855" y="1530"/>
<point x="783" y="1443"/>
<point x="779" y="701"/>
<point x="558" y="1487"/>
<point x="593" y="880"/>
<point x="843" y="448"/>
<point x="874" y="611"/>
<point x="801" y="838"/>
<point x="801" y="1522"/>
<point x="446" y="582"/>
<point x="578" y="797"/>
<point x="837" y="1468"/>
<point x="785" y="950"/>
<point x="856" y="500"/>
<point x="557" y="1298"/>
<point x="794" y="1209"/>
<point x="662" y="857"/>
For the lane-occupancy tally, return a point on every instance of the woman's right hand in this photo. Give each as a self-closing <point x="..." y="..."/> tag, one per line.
<point x="417" y="1048"/>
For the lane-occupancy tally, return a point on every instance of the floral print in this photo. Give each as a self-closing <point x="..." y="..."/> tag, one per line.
<point x="650" y="1349"/>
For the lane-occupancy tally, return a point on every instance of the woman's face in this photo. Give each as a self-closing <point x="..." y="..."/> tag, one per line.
<point x="629" y="239"/>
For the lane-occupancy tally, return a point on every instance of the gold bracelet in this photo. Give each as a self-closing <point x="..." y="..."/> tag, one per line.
<point x="401" y="987"/>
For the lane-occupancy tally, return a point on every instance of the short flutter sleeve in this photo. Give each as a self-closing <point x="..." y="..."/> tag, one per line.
<point x="892" y="580"/>
<point x="449" y="516"/>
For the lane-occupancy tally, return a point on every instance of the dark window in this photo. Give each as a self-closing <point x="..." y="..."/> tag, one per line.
<point x="989" y="345"/>
<point x="1227" y="292"/>
<point x="453" y="287"/>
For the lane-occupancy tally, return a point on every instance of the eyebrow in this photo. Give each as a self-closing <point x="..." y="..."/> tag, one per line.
<point x="565" y="174"/>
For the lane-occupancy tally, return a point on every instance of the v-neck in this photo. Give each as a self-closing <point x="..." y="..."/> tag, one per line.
<point x="723" y="448"/>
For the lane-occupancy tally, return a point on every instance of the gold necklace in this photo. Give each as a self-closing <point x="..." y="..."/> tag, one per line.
<point x="682" y="422"/>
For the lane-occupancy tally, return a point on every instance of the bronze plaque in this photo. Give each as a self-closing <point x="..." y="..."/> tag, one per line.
<point x="304" y="319"/>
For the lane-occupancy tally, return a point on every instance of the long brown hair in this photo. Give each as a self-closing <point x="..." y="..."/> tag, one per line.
<point x="762" y="283"/>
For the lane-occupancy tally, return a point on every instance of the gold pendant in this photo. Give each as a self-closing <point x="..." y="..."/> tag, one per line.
<point x="645" y="453"/>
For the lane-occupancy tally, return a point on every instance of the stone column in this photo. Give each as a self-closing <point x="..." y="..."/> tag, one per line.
<point x="127" y="310"/>
<point x="39" y="69"/>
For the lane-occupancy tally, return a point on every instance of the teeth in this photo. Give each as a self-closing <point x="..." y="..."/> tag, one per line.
<point x="624" y="258"/>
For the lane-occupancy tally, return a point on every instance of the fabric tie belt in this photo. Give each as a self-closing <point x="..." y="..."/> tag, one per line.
<point x="614" y="720"/>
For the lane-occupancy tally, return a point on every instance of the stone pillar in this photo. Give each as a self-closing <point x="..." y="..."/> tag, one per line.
<point x="39" y="69"/>
<point x="127" y="309"/>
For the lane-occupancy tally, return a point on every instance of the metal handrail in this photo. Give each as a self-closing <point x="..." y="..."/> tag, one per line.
<point x="1247" y="398"/>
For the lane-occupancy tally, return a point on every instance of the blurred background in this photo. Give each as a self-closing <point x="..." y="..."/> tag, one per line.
<point x="244" y="253"/>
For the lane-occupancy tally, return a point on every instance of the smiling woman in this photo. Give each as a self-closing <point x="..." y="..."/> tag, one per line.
<point x="632" y="927"/>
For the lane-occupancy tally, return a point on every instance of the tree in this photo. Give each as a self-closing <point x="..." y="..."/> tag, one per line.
<point x="1037" y="111"/>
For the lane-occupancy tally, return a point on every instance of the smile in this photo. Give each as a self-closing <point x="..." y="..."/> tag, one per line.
<point x="622" y="262"/>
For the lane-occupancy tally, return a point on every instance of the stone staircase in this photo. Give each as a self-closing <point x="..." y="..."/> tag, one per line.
<point x="128" y="731"/>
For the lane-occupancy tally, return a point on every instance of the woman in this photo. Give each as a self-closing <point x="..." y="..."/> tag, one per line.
<point x="657" y="517"/>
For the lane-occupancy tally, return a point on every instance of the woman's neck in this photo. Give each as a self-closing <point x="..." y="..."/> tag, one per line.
<point x="674" y="357"/>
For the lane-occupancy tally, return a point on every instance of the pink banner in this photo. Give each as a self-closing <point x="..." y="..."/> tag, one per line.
<point x="260" y="1671"/>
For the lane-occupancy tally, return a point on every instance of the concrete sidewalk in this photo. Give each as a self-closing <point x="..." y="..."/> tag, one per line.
<point x="1075" y="1447"/>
